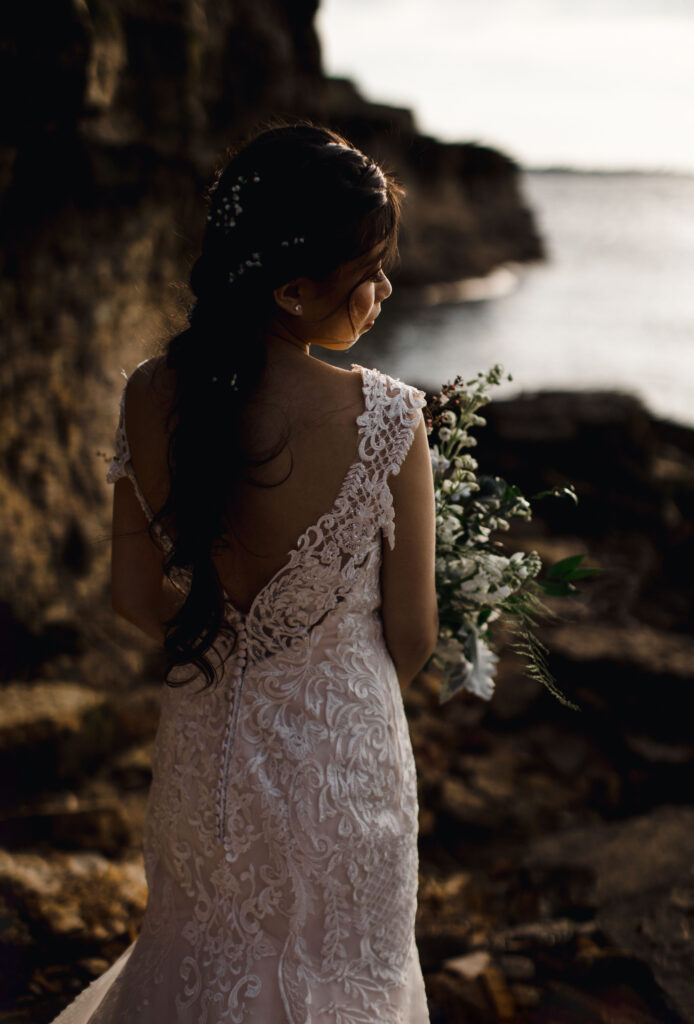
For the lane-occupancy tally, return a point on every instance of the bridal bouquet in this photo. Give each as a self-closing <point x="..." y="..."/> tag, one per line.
<point x="477" y="581"/>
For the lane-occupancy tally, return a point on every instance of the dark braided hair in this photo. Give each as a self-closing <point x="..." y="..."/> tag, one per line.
<point x="295" y="201"/>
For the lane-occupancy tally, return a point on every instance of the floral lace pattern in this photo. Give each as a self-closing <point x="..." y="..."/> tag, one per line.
<point x="280" y="843"/>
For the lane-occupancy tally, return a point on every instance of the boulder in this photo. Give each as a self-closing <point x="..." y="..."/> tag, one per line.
<point x="61" y="910"/>
<point x="55" y="732"/>
<point x="643" y="890"/>
<point x="95" y="826"/>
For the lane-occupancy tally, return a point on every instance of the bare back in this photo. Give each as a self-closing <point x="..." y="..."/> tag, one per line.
<point x="311" y="404"/>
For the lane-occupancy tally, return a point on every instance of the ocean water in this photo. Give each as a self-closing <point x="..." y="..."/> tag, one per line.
<point x="612" y="308"/>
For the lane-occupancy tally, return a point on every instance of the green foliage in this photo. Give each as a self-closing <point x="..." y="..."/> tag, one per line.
<point x="562" y="576"/>
<point x="535" y="653"/>
<point x="477" y="582"/>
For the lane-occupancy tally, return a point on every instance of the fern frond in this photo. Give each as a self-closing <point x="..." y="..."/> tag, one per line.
<point x="535" y="654"/>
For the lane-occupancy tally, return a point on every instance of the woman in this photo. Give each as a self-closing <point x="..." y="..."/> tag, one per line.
<point x="280" y="845"/>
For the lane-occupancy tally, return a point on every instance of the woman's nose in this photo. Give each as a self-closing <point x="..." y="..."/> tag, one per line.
<point x="385" y="289"/>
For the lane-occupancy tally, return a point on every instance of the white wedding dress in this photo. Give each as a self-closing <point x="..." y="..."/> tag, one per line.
<point x="280" y="845"/>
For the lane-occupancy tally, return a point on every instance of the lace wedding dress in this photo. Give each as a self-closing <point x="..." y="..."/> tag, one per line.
<point x="280" y="845"/>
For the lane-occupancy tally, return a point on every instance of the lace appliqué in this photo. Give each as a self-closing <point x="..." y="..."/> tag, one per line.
<point x="387" y="423"/>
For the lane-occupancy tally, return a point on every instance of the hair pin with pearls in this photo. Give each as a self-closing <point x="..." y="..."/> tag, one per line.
<point x="232" y="383"/>
<point x="252" y="261"/>
<point x="224" y="216"/>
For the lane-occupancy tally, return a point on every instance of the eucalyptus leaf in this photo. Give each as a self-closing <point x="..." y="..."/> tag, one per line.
<point x="558" y="588"/>
<point x="565" y="568"/>
<point x="584" y="574"/>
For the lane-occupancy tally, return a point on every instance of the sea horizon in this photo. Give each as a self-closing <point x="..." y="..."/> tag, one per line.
<point x="610" y="309"/>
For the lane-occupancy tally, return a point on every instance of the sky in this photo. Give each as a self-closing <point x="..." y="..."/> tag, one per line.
<point x="591" y="84"/>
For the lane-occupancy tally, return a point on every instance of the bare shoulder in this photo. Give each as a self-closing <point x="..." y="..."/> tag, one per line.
<point x="148" y="402"/>
<point x="151" y="387"/>
<point x="314" y="393"/>
<point x="341" y="388"/>
<point x="149" y="399"/>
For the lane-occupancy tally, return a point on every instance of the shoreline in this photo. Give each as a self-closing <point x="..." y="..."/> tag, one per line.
<point x="501" y="281"/>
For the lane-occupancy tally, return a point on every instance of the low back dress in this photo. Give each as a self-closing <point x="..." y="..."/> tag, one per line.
<point x="281" y="833"/>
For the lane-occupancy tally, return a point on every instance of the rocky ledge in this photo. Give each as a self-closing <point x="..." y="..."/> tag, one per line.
<point x="555" y="846"/>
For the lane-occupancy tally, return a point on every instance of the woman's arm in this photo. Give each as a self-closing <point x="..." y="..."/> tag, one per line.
<point x="410" y="617"/>
<point x="140" y="592"/>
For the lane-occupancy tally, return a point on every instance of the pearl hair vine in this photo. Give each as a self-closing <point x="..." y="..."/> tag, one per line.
<point x="255" y="261"/>
<point x="252" y="261"/>
<point x="224" y="216"/>
<point x="232" y="382"/>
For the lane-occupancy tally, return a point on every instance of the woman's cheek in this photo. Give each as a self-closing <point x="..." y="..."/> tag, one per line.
<point x="362" y="303"/>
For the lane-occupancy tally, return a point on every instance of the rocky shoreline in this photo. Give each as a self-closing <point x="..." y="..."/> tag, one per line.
<point x="555" y="846"/>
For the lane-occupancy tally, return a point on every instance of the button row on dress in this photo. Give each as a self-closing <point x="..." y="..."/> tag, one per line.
<point x="235" y="686"/>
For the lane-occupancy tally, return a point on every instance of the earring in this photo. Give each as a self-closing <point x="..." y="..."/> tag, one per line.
<point x="297" y="308"/>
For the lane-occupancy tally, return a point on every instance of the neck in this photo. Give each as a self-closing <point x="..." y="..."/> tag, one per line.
<point x="284" y="335"/>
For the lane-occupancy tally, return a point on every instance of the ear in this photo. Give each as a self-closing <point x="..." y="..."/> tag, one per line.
<point x="288" y="297"/>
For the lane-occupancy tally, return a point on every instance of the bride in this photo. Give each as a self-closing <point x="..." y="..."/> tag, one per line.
<point x="273" y="529"/>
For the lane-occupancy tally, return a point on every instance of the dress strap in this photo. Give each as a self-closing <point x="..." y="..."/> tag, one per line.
<point x="386" y="431"/>
<point x="122" y="467"/>
<point x="387" y="425"/>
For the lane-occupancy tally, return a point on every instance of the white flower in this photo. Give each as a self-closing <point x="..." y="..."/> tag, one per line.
<point x="461" y="567"/>
<point x="495" y="564"/>
<point x="463" y="492"/>
<point x="439" y="464"/>
<point x="476" y="586"/>
<point x="481" y="680"/>
<point x="466" y="667"/>
<point x="450" y="651"/>
<point x="447" y="528"/>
